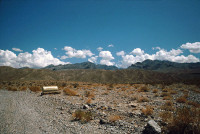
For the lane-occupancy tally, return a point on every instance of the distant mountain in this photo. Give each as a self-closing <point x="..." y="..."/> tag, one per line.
<point x="84" y="65"/>
<point x="164" y="66"/>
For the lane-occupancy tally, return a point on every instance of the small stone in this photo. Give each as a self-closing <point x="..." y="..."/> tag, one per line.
<point x="102" y="121"/>
<point x="152" y="128"/>
<point x="86" y="107"/>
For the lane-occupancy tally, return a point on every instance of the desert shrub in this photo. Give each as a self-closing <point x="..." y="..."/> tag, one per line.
<point x="185" y="121"/>
<point x="89" y="94"/>
<point x="75" y="85"/>
<point x="173" y="92"/>
<point x="156" y="95"/>
<point x="155" y="90"/>
<point x="181" y="99"/>
<point x="147" y="111"/>
<point x="168" y="106"/>
<point x="164" y="94"/>
<point x="88" y="101"/>
<point x="83" y="116"/>
<point x="142" y="99"/>
<point x="165" y="90"/>
<point x="136" y="86"/>
<point x="193" y="103"/>
<point x="35" y="88"/>
<point x="168" y="103"/>
<point x="166" y="116"/>
<point x="70" y="92"/>
<point x="114" y="118"/>
<point x="111" y="85"/>
<point x="10" y="88"/>
<point x="23" y="88"/>
<point x="167" y="98"/>
<point x="143" y="89"/>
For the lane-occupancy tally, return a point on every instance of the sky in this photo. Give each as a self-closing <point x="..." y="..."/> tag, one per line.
<point x="37" y="33"/>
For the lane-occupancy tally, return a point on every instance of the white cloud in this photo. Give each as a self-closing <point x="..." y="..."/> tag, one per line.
<point x="192" y="47"/>
<point x="63" y="57"/>
<point x="111" y="45"/>
<point x="71" y="53"/>
<point x="156" y="48"/>
<point x="106" y="58"/>
<point x="121" y="53"/>
<point x="137" y="51"/>
<point x="17" y="49"/>
<point x="99" y="48"/>
<point x="138" y="55"/>
<point x="38" y="58"/>
<point x="93" y="59"/>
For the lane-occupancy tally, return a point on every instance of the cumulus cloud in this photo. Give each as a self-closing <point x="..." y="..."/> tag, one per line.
<point x="138" y="55"/>
<point x="192" y="47"/>
<point x="17" y="49"/>
<point x="39" y="58"/>
<point x="106" y="58"/>
<point x="99" y="48"/>
<point x="93" y="59"/>
<point x="121" y="53"/>
<point x="73" y="53"/>
<point x="137" y="51"/>
<point x="111" y="45"/>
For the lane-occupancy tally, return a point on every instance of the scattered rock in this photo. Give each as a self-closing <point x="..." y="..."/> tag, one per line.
<point x="86" y="107"/>
<point x="103" y="121"/>
<point x="152" y="128"/>
<point x="132" y="104"/>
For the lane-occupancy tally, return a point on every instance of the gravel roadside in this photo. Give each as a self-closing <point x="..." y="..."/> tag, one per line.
<point x="30" y="113"/>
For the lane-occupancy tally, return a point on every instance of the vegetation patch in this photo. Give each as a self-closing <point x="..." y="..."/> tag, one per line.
<point x="70" y="92"/>
<point x="83" y="116"/>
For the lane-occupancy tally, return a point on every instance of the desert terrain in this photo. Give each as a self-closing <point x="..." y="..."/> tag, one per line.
<point x="84" y="107"/>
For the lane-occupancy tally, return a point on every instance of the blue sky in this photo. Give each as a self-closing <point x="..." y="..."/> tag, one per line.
<point x="131" y="26"/>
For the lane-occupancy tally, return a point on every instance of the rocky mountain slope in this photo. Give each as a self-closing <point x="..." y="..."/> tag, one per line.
<point x="164" y="66"/>
<point x="84" y="65"/>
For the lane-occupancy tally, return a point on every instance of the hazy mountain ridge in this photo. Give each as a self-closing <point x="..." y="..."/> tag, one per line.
<point x="164" y="66"/>
<point x="84" y="65"/>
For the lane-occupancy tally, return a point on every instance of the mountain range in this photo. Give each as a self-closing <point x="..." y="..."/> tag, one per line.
<point x="84" y="65"/>
<point x="153" y="65"/>
<point x="164" y="66"/>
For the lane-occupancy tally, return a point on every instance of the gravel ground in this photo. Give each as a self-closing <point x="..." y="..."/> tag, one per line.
<point x="29" y="113"/>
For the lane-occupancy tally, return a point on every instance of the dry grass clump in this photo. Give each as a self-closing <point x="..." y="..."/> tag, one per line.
<point x="114" y="118"/>
<point x="165" y="90"/>
<point x="10" y="88"/>
<point x="156" y="95"/>
<point x="185" y="121"/>
<point x="181" y="99"/>
<point x="173" y="92"/>
<point x="168" y="106"/>
<point x="142" y="99"/>
<point x="83" y="116"/>
<point x="163" y="94"/>
<point x="147" y="111"/>
<point x="23" y="88"/>
<point x="167" y="98"/>
<point x="155" y="90"/>
<point x="35" y="88"/>
<point x="143" y="89"/>
<point x="166" y="116"/>
<point x="89" y="94"/>
<point x="193" y="103"/>
<point x="89" y="101"/>
<point x="70" y="92"/>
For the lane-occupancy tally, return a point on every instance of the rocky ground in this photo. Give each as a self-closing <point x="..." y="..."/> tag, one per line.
<point x="113" y="108"/>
